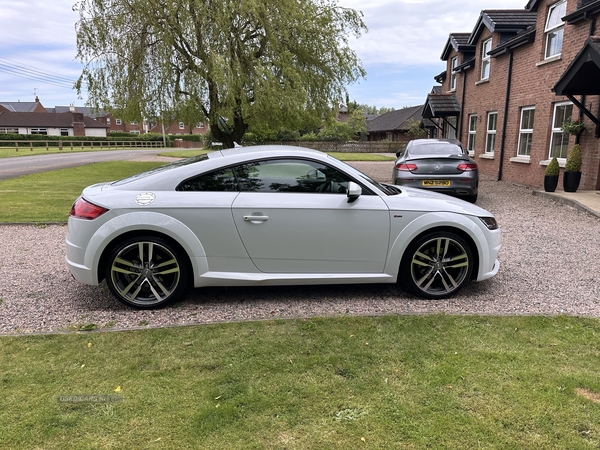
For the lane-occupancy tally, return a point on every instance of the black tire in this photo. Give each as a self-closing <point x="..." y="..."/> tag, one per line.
<point x="471" y="198"/>
<point x="436" y="265"/>
<point x="147" y="272"/>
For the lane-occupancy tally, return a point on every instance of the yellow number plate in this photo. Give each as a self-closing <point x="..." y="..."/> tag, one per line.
<point x="435" y="182"/>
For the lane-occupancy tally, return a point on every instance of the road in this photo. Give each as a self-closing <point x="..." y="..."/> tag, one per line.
<point x="25" y="165"/>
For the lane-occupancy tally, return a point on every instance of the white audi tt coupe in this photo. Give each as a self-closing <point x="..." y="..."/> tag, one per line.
<point x="272" y="215"/>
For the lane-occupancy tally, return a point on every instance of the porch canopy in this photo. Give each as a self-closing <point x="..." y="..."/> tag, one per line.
<point x="581" y="78"/>
<point x="441" y="106"/>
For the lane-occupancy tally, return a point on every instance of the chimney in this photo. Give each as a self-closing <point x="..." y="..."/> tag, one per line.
<point x="71" y="108"/>
<point x="78" y="124"/>
<point x="37" y="99"/>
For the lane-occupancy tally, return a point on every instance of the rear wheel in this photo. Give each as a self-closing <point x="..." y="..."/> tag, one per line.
<point x="436" y="265"/>
<point x="147" y="272"/>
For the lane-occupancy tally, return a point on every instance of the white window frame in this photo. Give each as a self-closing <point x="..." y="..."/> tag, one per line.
<point x="486" y="46"/>
<point x="108" y="121"/>
<point x="453" y="76"/>
<point x="200" y="125"/>
<point x="490" y="135"/>
<point x="525" y="133"/>
<point x="181" y="126"/>
<point x="118" y="122"/>
<point x="133" y="123"/>
<point x="451" y="125"/>
<point x="559" y="115"/>
<point x="472" y="133"/>
<point x="554" y="30"/>
<point x="43" y="131"/>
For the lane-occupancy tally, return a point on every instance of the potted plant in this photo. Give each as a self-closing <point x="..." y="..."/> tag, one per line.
<point x="551" y="175"/>
<point x="574" y="127"/>
<point x="572" y="175"/>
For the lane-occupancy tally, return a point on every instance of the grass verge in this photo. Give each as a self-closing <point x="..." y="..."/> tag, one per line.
<point x="387" y="382"/>
<point x="48" y="196"/>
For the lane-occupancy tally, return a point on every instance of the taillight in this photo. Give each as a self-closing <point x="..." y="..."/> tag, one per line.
<point x="465" y="167"/>
<point x="406" y="167"/>
<point x="82" y="209"/>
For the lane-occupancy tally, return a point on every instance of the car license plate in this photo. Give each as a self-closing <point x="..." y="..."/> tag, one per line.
<point x="435" y="183"/>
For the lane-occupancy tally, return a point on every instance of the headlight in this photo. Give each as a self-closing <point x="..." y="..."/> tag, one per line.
<point x="489" y="222"/>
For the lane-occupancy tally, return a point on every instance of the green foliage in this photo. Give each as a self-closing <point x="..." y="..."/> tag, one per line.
<point x="574" y="160"/>
<point x="553" y="168"/>
<point x="415" y="130"/>
<point x="247" y="63"/>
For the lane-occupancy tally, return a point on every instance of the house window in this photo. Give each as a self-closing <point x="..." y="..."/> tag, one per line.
<point x="118" y="121"/>
<point x="526" y="131"/>
<point x="559" y="142"/>
<point x="451" y="128"/>
<point x="134" y="122"/>
<point x="64" y="131"/>
<point x="453" y="65"/>
<point x="38" y="131"/>
<point x="472" y="133"/>
<point x="200" y="125"/>
<point x="490" y="139"/>
<point x="181" y="125"/>
<point x="9" y="130"/>
<point x="108" y="121"/>
<point x="485" y="59"/>
<point x="554" y="29"/>
<point x="135" y="131"/>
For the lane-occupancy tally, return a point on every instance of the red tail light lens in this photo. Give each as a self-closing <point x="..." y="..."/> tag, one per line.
<point x="465" y="167"/>
<point x="406" y="167"/>
<point x="82" y="209"/>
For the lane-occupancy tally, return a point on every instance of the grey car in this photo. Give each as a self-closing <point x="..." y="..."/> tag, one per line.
<point x="440" y="165"/>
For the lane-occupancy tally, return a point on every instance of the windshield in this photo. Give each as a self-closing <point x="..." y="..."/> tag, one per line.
<point x="179" y="163"/>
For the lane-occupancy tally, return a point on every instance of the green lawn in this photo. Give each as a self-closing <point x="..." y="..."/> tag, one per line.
<point x="452" y="382"/>
<point x="48" y="196"/>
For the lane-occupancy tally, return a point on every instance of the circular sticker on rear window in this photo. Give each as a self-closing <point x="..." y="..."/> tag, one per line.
<point x="145" y="198"/>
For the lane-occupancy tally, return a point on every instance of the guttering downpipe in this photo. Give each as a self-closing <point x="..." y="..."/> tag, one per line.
<point x="462" y="103"/>
<point x="506" y="100"/>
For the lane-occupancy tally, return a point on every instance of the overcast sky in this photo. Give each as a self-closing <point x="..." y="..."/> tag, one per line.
<point x="401" y="52"/>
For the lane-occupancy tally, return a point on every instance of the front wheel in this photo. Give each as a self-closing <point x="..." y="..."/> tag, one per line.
<point x="436" y="265"/>
<point x="146" y="272"/>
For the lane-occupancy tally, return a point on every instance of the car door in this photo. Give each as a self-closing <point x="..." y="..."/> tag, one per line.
<point x="293" y="216"/>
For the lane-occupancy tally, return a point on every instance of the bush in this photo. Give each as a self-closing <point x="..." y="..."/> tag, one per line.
<point x="574" y="160"/>
<point x="553" y="168"/>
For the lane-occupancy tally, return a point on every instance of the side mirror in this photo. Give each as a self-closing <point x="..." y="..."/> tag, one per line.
<point x="354" y="191"/>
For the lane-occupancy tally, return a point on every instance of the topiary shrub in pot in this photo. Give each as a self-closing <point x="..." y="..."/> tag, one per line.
<point x="551" y="175"/>
<point x="572" y="175"/>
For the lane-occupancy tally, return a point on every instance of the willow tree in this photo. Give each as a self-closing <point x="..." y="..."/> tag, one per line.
<point x="235" y="63"/>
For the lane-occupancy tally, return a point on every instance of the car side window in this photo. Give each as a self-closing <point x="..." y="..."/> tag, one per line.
<point x="291" y="175"/>
<point x="217" y="181"/>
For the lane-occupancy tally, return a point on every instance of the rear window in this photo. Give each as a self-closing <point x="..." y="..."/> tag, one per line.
<point x="435" y="149"/>
<point x="166" y="167"/>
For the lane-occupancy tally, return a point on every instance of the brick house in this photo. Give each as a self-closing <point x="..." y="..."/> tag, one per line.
<point x="392" y="126"/>
<point x="511" y="83"/>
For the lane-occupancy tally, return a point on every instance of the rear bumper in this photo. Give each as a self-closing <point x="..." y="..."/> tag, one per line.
<point x="456" y="187"/>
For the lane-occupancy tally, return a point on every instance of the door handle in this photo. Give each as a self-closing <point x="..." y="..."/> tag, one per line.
<point x="256" y="218"/>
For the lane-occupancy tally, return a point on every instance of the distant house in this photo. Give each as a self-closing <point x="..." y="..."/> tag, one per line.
<point x="50" y="124"/>
<point x="393" y="125"/>
<point x="28" y="107"/>
<point x="178" y="128"/>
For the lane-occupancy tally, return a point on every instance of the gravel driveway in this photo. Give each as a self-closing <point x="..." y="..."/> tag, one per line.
<point x="549" y="265"/>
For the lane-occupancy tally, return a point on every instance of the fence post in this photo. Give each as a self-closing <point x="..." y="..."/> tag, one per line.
<point x="17" y="146"/>
<point x="30" y="146"/>
<point x="60" y="145"/>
